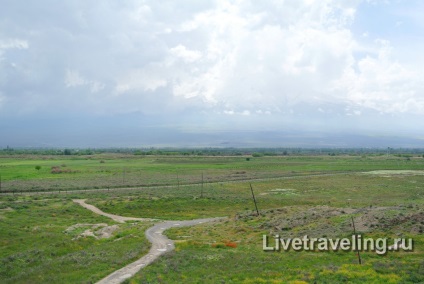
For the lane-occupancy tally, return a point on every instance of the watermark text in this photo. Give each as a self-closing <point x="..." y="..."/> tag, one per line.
<point x="355" y="243"/>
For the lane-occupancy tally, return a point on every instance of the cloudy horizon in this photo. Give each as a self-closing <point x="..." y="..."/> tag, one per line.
<point x="208" y="73"/>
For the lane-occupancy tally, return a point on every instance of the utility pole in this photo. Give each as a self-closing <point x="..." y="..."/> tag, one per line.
<point x="356" y="241"/>
<point x="254" y="199"/>
<point x="178" y="181"/>
<point x="201" y="192"/>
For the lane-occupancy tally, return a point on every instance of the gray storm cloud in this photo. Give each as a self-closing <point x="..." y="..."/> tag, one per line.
<point x="212" y="64"/>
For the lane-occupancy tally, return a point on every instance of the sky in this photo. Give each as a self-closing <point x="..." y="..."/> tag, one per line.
<point x="289" y="73"/>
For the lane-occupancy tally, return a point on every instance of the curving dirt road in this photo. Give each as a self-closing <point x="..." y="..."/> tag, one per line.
<point x="160" y="243"/>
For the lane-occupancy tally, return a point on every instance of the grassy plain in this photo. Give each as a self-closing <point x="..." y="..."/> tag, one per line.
<point x="313" y="195"/>
<point x="38" y="244"/>
<point x="60" y="173"/>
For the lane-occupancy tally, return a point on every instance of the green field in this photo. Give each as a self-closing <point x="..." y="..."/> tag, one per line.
<point x="19" y="173"/>
<point x="297" y="195"/>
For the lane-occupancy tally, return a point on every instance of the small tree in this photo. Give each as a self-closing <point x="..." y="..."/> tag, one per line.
<point x="38" y="167"/>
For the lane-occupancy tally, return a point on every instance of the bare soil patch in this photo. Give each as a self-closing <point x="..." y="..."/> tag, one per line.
<point x="97" y="231"/>
<point x="389" y="173"/>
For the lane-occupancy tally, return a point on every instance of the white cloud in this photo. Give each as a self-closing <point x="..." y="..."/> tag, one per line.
<point x="139" y="79"/>
<point x="141" y="13"/>
<point x="383" y="84"/>
<point x="13" y="43"/>
<point x="241" y="113"/>
<point x="247" y="59"/>
<point x="74" y="79"/>
<point x="290" y="54"/>
<point x="229" y="112"/>
<point x="96" y="86"/>
<point x="245" y="112"/>
<point x="182" y="52"/>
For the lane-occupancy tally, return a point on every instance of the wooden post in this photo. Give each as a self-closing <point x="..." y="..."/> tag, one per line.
<point x="356" y="241"/>
<point x="254" y="199"/>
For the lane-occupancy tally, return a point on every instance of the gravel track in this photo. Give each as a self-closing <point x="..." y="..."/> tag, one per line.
<point x="160" y="243"/>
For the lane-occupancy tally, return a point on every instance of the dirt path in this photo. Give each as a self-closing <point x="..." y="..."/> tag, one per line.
<point x="117" y="218"/>
<point x="160" y="243"/>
